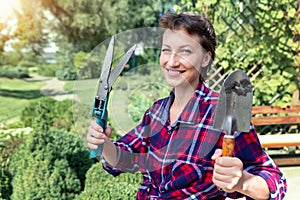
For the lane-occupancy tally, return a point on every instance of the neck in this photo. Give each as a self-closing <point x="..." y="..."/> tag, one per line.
<point x="183" y="95"/>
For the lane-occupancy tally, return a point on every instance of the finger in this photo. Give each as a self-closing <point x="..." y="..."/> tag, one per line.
<point x="96" y="133"/>
<point x="96" y="126"/>
<point x="225" y="182"/>
<point x="217" y="154"/>
<point x="226" y="185"/>
<point x="229" y="162"/>
<point x="233" y="171"/>
<point x="95" y="137"/>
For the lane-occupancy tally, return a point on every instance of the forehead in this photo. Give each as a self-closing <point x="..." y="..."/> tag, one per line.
<point x="180" y="37"/>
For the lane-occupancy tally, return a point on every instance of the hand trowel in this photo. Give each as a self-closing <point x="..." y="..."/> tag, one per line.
<point x="233" y="112"/>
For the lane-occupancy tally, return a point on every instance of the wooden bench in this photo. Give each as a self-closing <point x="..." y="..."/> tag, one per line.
<point x="275" y="115"/>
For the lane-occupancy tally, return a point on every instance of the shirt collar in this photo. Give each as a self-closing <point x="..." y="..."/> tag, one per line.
<point x="191" y="113"/>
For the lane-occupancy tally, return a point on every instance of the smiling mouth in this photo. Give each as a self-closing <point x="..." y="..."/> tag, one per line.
<point x="174" y="72"/>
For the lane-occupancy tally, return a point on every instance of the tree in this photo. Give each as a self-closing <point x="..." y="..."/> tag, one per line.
<point x="86" y="23"/>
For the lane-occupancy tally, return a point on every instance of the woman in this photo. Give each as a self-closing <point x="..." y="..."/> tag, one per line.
<point x="175" y="147"/>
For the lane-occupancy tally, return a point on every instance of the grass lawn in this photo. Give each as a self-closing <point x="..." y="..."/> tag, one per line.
<point x="15" y="94"/>
<point x="69" y="86"/>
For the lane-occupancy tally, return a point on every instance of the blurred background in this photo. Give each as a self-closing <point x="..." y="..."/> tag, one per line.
<point x="45" y="50"/>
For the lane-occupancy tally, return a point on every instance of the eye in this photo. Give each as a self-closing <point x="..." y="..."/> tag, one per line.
<point x="186" y="51"/>
<point x="166" y="50"/>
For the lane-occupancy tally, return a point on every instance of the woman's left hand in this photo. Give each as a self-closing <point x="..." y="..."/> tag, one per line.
<point x="228" y="172"/>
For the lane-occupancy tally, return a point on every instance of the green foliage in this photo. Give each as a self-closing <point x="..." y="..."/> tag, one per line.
<point x="5" y="186"/>
<point x="14" y="72"/>
<point x="48" y="69"/>
<point x="79" y="59"/>
<point x="9" y="142"/>
<point x="142" y="98"/>
<point x="49" y="165"/>
<point x="46" y="113"/>
<point x="26" y="64"/>
<point x="85" y="24"/>
<point x="66" y="73"/>
<point x="256" y="36"/>
<point x="101" y="185"/>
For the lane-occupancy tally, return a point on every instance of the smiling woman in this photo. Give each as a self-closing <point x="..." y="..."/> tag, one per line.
<point x="8" y="8"/>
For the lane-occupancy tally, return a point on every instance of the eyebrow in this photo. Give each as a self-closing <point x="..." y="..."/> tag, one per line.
<point x="182" y="46"/>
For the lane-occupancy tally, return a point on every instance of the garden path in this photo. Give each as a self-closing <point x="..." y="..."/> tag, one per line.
<point x="53" y="87"/>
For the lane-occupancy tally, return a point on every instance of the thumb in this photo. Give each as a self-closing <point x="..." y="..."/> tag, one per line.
<point x="108" y="131"/>
<point x="217" y="154"/>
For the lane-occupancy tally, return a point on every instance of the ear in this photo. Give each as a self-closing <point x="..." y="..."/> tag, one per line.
<point x="206" y="59"/>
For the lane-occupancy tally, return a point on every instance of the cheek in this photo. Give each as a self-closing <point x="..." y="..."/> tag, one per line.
<point x="163" y="59"/>
<point x="194" y="61"/>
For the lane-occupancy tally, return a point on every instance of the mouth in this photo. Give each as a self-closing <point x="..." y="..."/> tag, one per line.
<point x="174" y="72"/>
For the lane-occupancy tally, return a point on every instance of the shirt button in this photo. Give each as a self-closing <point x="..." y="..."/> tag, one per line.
<point x="193" y="196"/>
<point x="169" y="132"/>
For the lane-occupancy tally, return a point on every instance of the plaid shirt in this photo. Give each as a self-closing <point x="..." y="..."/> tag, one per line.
<point x="175" y="159"/>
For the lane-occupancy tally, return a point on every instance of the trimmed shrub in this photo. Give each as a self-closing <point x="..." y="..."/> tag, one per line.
<point x="46" y="113"/>
<point x="101" y="185"/>
<point x="49" y="165"/>
<point x="9" y="141"/>
<point x="5" y="186"/>
<point x="14" y="72"/>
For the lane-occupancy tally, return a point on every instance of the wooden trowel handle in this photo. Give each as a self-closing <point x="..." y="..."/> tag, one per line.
<point x="228" y="145"/>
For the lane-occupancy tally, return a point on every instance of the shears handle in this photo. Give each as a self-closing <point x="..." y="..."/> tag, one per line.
<point x="97" y="152"/>
<point x="101" y="119"/>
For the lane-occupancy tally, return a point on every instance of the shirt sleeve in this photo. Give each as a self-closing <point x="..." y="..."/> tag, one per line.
<point x="256" y="161"/>
<point x="132" y="150"/>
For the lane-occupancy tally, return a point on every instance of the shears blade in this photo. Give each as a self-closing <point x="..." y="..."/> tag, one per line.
<point x="108" y="76"/>
<point x="104" y="76"/>
<point x="120" y="66"/>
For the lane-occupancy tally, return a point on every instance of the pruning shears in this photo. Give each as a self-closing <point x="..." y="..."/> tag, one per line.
<point x="107" y="78"/>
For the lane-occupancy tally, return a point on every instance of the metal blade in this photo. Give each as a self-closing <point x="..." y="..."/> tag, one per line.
<point x="104" y="76"/>
<point x="235" y="104"/>
<point x="120" y="66"/>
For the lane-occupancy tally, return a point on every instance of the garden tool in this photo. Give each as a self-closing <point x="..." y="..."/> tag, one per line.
<point x="107" y="78"/>
<point x="233" y="112"/>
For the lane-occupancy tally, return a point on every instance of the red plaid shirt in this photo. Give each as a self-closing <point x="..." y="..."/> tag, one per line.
<point x="175" y="159"/>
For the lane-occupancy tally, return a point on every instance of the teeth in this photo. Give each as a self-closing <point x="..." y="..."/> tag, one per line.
<point x="173" y="72"/>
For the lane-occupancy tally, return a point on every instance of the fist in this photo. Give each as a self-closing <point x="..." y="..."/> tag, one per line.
<point x="96" y="135"/>
<point x="228" y="172"/>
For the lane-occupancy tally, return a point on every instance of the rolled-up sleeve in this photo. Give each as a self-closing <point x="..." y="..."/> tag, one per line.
<point x="273" y="177"/>
<point x="256" y="161"/>
<point x="131" y="150"/>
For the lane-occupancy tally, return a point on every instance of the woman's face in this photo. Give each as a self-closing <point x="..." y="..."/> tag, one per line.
<point x="182" y="57"/>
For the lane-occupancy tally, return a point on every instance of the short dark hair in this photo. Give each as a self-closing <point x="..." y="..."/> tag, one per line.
<point x="195" y="25"/>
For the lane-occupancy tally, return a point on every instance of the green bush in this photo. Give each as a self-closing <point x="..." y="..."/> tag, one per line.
<point x="5" y="186"/>
<point x="46" y="113"/>
<point x="143" y="97"/>
<point x="26" y="64"/>
<point x="101" y="185"/>
<point x="48" y="69"/>
<point x="14" y="72"/>
<point x="49" y="165"/>
<point x="66" y="73"/>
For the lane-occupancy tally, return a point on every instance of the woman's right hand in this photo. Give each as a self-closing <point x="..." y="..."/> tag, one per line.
<point x="96" y="135"/>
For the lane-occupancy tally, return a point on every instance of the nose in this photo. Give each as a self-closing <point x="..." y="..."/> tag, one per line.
<point x="173" y="60"/>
